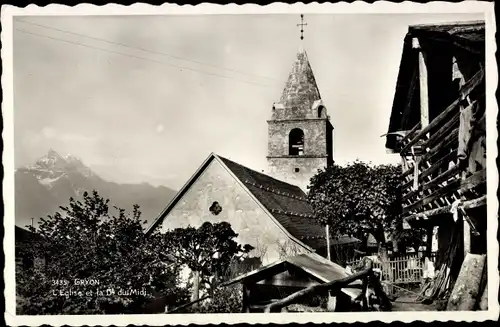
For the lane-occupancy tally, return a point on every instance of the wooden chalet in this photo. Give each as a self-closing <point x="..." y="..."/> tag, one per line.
<point x="285" y="277"/>
<point x="438" y="127"/>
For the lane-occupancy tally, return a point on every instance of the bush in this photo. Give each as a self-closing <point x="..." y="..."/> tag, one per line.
<point x="225" y="300"/>
<point x="85" y="242"/>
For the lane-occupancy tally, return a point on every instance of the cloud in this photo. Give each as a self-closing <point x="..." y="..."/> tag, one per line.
<point x="160" y="128"/>
<point x="51" y="133"/>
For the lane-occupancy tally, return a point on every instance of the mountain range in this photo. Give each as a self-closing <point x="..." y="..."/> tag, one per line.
<point x="42" y="187"/>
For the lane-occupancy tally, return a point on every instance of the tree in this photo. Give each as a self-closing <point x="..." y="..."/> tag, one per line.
<point x="357" y="199"/>
<point x="207" y="251"/>
<point x="96" y="263"/>
<point x="413" y="238"/>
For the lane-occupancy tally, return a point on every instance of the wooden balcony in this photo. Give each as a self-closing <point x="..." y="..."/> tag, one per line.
<point x="433" y="178"/>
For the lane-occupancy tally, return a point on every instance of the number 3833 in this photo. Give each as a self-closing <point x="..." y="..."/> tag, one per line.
<point x="60" y="282"/>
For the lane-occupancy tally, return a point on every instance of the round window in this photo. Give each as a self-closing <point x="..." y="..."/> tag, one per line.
<point x="215" y="208"/>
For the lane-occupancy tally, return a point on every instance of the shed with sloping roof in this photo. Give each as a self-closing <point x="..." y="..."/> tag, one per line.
<point x="284" y="277"/>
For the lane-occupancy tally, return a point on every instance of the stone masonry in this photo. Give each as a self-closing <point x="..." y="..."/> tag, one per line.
<point x="300" y="107"/>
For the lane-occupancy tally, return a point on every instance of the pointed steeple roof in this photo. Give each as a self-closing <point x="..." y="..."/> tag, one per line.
<point x="300" y="89"/>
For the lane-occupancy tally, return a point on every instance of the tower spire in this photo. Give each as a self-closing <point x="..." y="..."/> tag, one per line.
<point x="302" y="24"/>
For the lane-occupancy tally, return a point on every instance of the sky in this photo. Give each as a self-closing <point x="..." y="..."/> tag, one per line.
<point x="148" y="98"/>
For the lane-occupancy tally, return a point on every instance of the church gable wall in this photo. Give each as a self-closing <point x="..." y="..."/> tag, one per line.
<point x="246" y="217"/>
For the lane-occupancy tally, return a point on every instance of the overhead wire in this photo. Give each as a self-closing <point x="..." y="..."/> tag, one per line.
<point x="143" y="49"/>
<point x="139" y="57"/>
<point x="147" y="51"/>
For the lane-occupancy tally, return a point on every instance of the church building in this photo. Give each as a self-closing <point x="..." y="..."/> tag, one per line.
<point x="269" y="212"/>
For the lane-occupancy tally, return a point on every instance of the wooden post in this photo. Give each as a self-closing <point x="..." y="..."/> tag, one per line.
<point x="364" y="292"/>
<point x="327" y="231"/>
<point x="466" y="237"/>
<point x="424" y="92"/>
<point x="465" y="293"/>
<point x="428" y="243"/>
<point x="434" y="239"/>
<point x="335" y="286"/>
<point x="245" y="306"/>
<point x="195" y="295"/>
<point x="331" y="304"/>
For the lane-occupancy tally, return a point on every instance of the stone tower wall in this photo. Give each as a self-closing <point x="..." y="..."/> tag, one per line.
<point x="285" y="169"/>
<point x="300" y="107"/>
<point x="315" y="137"/>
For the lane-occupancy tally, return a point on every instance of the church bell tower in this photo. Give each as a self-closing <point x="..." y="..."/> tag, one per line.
<point x="299" y="132"/>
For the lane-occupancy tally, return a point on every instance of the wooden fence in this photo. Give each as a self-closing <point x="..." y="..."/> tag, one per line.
<point x="405" y="269"/>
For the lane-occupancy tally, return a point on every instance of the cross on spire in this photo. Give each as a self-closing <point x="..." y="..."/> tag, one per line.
<point x="302" y="24"/>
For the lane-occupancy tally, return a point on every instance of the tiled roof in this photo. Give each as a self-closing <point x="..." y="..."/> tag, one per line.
<point x="286" y="202"/>
<point x="300" y="89"/>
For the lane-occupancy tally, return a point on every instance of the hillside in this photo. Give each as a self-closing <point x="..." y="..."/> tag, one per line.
<point x="42" y="187"/>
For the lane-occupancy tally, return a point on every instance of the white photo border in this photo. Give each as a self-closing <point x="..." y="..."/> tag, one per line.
<point x="7" y="14"/>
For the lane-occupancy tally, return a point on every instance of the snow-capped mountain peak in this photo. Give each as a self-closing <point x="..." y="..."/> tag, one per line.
<point x="49" y="183"/>
<point x="53" y="164"/>
<point x="72" y="158"/>
<point x="52" y="160"/>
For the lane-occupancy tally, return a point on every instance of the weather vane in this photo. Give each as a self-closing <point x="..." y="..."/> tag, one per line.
<point x="302" y="24"/>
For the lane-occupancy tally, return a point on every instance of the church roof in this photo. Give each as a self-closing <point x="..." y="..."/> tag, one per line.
<point x="285" y="202"/>
<point x="300" y="89"/>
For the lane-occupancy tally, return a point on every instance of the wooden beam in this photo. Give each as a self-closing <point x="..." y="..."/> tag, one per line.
<point x="478" y="178"/>
<point x="465" y="293"/>
<point x="464" y="92"/>
<point x="433" y="168"/>
<point x="410" y="134"/>
<point x="466" y="235"/>
<point x="442" y="131"/>
<point x="428" y="243"/>
<point x="448" y="141"/>
<point x="424" y="84"/>
<point x="448" y="188"/>
<point x="334" y="285"/>
<point x="327" y="232"/>
<point x="189" y="304"/>
<point x="429" y="213"/>
<point x="433" y="182"/>
<point x="245" y="305"/>
<point x="441" y="178"/>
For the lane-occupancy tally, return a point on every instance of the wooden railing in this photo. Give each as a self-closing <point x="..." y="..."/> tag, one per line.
<point x="404" y="269"/>
<point x="431" y="176"/>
